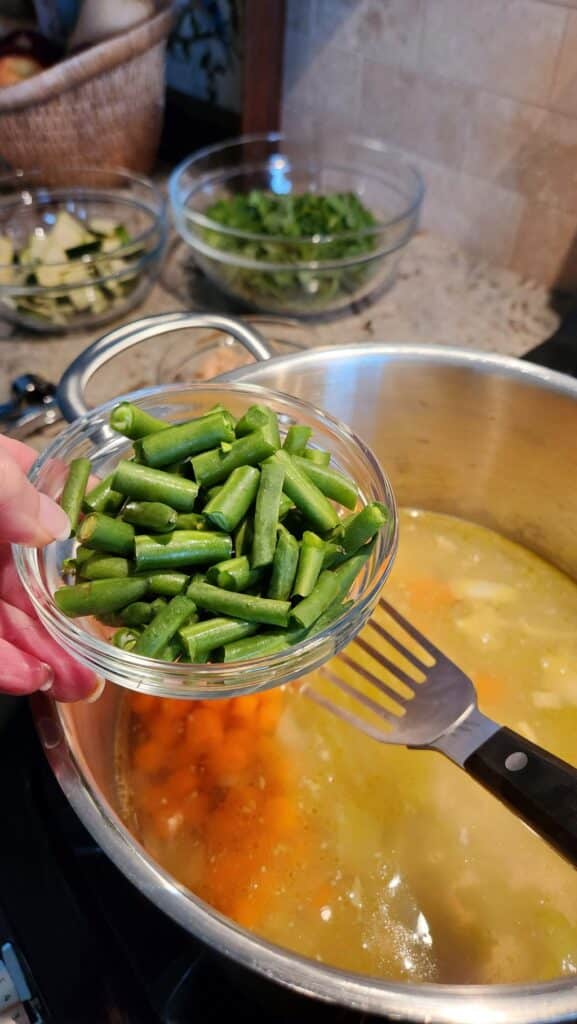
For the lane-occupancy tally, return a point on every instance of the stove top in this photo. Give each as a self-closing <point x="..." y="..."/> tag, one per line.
<point x="79" y="944"/>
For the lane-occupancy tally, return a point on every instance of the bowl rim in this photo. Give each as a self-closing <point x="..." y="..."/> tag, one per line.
<point x="158" y="211"/>
<point x="174" y="679"/>
<point x="361" y="142"/>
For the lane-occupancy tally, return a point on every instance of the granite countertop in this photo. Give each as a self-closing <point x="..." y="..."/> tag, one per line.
<point x="441" y="296"/>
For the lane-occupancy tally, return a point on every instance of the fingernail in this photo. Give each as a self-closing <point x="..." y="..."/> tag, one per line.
<point x="48" y="677"/>
<point x="96" y="693"/>
<point x="52" y="518"/>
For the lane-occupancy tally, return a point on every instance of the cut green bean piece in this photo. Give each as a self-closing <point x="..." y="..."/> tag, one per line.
<point x="296" y="439"/>
<point x="333" y="554"/>
<point x="243" y="536"/>
<point x="82" y="554"/>
<point x="201" y="638"/>
<point x="310" y="564"/>
<point x="227" y="508"/>
<point x="333" y="612"/>
<point x="234" y="574"/>
<point x="172" y="651"/>
<point x="183" y="547"/>
<point x="150" y="515"/>
<point x="178" y="443"/>
<point x="164" y="626"/>
<point x="306" y="495"/>
<point x="284" y="566"/>
<point x="104" y="567"/>
<point x="69" y="567"/>
<point x="258" y="417"/>
<point x="103" y="498"/>
<point x="266" y="514"/>
<point x="158" y="603"/>
<point x="145" y="484"/>
<point x="317" y="455"/>
<point x="347" y="572"/>
<point x="191" y="521"/>
<point x="176" y="468"/>
<point x="239" y="606"/>
<point x="139" y="613"/>
<point x="213" y="491"/>
<point x="74" y="490"/>
<point x="254" y="647"/>
<point x="167" y="584"/>
<point x="334" y="485"/>
<point x="363" y="526"/>
<point x="102" y="533"/>
<point x="307" y="611"/>
<point x="134" y="423"/>
<point x="214" y="466"/>
<point x="125" y="638"/>
<point x="98" y="597"/>
<point x="285" y="506"/>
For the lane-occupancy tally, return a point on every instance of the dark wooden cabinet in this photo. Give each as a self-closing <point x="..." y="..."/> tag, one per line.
<point x="191" y="123"/>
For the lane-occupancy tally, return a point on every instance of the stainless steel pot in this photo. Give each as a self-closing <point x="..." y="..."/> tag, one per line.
<point x="481" y="436"/>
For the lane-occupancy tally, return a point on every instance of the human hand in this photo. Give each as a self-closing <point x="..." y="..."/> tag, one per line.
<point x="29" y="658"/>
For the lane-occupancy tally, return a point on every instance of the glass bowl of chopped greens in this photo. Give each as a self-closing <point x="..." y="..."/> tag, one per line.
<point x="304" y="228"/>
<point x="220" y="582"/>
<point x="78" y="249"/>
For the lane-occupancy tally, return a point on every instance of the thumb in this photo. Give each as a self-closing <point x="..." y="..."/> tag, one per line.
<point x="26" y="516"/>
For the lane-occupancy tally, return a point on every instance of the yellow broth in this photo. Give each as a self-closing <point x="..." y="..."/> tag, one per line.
<point x="371" y="857"/>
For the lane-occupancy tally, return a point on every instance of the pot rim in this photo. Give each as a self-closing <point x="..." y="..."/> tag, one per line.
<point x="455" y="355"/>
<point x="432" y="1003"/>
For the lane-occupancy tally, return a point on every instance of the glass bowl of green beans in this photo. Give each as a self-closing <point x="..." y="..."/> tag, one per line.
<point x="227" y="539"/>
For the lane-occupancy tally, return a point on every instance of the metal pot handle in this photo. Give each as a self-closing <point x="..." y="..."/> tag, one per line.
<point x="72" y="387"/>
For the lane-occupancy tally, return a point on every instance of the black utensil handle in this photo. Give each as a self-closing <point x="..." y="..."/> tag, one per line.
<point x="535" y="784"/>
<point x="559" y="352"/>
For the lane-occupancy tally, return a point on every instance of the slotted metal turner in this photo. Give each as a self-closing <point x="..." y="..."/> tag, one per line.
<point x="440" y="713"/>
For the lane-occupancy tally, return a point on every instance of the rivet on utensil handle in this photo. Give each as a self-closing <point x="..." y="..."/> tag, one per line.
<point x="516" y="762"/>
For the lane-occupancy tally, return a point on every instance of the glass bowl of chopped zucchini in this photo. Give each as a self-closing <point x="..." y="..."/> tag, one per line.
<point x="304" y="228"/>
<point x="79" y="253"/>
<point x="226" y="538"/>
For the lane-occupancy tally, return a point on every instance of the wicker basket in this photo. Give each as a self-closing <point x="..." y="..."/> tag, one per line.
<point x="102" y="107"/>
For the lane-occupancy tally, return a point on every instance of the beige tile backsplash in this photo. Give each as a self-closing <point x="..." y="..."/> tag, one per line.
<point x="481" y="94"/>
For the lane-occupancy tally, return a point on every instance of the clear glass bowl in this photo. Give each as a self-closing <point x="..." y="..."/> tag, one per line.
<point x="113" y="283"/>
<point x="91" y="437"/>
<point x="297" y="276"/>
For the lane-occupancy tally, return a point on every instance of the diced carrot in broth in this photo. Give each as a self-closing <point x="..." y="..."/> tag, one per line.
<point x="174" y="709"/>
<point x="204" y="730"/>
<point x="269" y="710"/>
<point x="242" y="709"/>
<point x="235" y="753"/>
<point x="148" y="757"/>
<point x="280" y="814"/>
<point x="426" y="594"/>
<point x="181" y="783"/>
<point x="144" y="703"/>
